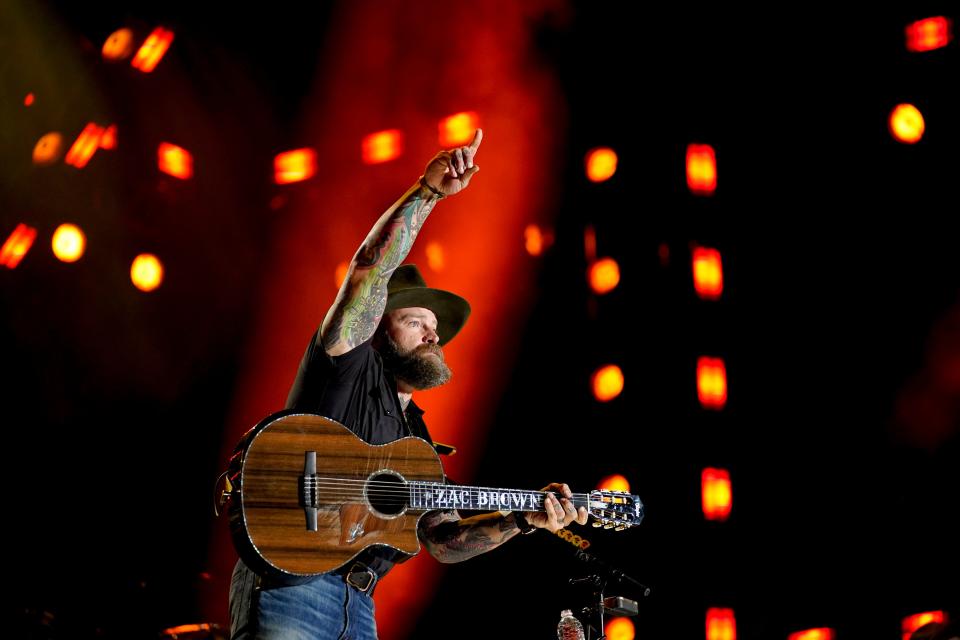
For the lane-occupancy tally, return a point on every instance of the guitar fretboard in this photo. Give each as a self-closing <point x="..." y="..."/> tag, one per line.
<point x="435" y="495"/>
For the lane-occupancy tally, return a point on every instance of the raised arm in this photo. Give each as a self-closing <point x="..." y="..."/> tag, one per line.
<point x="363" y="295"/>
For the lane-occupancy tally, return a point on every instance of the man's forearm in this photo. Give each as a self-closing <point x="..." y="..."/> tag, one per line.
<point x="354" y="316"/>
<point x="450" y="540"/>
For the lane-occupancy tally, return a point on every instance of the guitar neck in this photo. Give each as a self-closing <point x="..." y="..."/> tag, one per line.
<point x="436" y="495"/>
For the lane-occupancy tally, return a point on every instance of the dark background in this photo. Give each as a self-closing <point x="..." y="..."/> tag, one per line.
<point x="840" y="303"/>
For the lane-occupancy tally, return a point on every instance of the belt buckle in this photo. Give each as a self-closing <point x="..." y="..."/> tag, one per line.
<point x="358" y="569"/>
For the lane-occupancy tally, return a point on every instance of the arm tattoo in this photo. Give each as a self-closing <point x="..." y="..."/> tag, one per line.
<point x="451" y="540"/>
<point x="361" y="301"/>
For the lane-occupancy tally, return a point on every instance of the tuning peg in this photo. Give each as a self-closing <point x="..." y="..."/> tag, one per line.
<point x="609" y="525"/>
<point x="597" y="524"/>
<point x="621" y="527"/>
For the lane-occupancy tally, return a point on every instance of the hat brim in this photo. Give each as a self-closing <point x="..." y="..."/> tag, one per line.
<point x="451" y="310"/>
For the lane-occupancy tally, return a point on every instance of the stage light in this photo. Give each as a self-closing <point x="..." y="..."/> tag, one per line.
<point x="615" y="482"/>
<point x="109" y="138"/>
<point x="68" y="243"/>
<point x="146" y="272"/>
<point x="340" y="274"/>
<point x="717" y="494"/>
<point x="701" y="169"/>
<point x="458" y="130"/>
<point x="533" y="240"/>
<point x="601" y="164"/>
<point x="29" y="100"/>
<point x="48" y="149"/>
<point x="85" y="146"/>
<point x="906" y="123"/>
<point x="712" y="383"/>
<point x="435" y="256"/>
<point x="152" y="50"/>
<point x="607" y="383"/>
<point x="929" y="34"/>
<point x="17" y="246"/>
<point x="911" y="623"/>
<point x="118" y="45"/>
<point x="604" y="275"/>
<point x="707" y="273"/>
<point x="294" y="166"/>
<point x="721" y="624"/>
<point x="175" y="161"/>
<point x="619" y="629"/>
<point x="382" y="146"/>
<point x="823" y="633"/>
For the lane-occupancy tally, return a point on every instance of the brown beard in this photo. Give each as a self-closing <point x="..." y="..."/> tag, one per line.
<point x="415" y="367"/>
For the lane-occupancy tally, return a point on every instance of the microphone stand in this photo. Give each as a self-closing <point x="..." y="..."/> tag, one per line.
<point x="604" y="576"/>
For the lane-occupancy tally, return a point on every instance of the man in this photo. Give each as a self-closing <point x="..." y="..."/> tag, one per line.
<point x="381" y="341"/>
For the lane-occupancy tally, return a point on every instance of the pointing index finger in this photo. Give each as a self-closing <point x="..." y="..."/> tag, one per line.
<point x="477" y="139"/>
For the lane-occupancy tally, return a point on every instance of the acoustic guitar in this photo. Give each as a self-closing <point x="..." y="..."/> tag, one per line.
<point x="306" y="495"/>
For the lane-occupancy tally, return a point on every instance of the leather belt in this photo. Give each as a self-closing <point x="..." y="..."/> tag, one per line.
<point x="360" y="577"/>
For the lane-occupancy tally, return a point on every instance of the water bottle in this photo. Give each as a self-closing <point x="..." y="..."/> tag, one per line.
<point x="569" y="628"/>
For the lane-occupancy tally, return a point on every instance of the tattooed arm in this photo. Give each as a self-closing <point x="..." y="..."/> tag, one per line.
<point x="363" y="296"/>
<point x="450" y="539"/>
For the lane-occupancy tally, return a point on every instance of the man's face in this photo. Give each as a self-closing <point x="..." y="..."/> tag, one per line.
<point x="411" y="348"/>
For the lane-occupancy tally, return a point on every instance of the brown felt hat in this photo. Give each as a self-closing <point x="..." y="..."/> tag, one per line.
<point x="407" y="288"/>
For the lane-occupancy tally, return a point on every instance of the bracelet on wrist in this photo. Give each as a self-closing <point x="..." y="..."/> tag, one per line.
<point x="436" y="192"/>
<point x="522" y="524"/>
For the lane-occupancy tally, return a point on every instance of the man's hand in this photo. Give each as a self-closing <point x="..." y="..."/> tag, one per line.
<point x="559" y="513"/>
<point x="450" y="171"/>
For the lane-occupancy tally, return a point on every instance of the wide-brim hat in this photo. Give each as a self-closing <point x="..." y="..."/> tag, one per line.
<point x="407" y="288"/>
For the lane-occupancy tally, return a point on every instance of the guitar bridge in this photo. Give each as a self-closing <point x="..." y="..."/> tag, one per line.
<point x="308" y="489"/>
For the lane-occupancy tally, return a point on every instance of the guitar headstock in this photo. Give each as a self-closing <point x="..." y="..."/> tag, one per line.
<point x="615" y="509"/>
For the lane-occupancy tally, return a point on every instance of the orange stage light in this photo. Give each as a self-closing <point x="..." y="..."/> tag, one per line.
<point x="601" y="164"/>
<point x="152" y="50"/>
<point x="48" y="149"/>
<point x="813" y="634"/>
<point x="175" y="161"/>
<point x="17" y="246"/>
<point x="85" y="146"/>
<point x="721" y="624"/>
<point x="294" y="166"/>
<point x="906" y="123"/>
<point x="146" y="272"/>
<point x="118" y="45"/>
<point x="604" y="275"/>
<point x="717" y="494"/>
<point x="911" y="623"/>
<point x="533" y="240"/>
<point x="382" y="146"/>
<point x="712" y="383"/>
<point x="707" y="273"/>
<point x="607" y="382"/>
<point x="619" y="629"/>
<point x="68" y="243"/>
<point x="929" y="34"/>
<point x="614" y="483"/>
<point x="458" y="130"/>
<point x="109" y="138"/>
<point x="701" y="169"/>
<point x="340" y="273"/>
<point x="435" y="256"/>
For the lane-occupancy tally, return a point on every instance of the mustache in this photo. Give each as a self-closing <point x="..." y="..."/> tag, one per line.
<point x="429" y="348"/>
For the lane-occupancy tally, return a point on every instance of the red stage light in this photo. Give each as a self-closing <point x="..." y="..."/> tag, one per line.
<point x="721" y="624"/>
<point x="917" y="620"/>
<point x="712" y="383"/>
<point x="152" y="50"/>
<point x="906" y="123"/>
<point x="17" y="246"/>
<point x="458" y="130"/>
<point x="382" y="146"/>
<point x="294" y="166"/>
<point x="175" y="161"/>
<point x="823" y="633"/>
<point x="707" y="273"/>
<point x="929" y="34"/>
<point x="85" y="146"/>
<point x="717" y="494"/>
<point x="607" y="383"/>
<point x="601" y="164"/>
<point x="701" y="169"/>
<point x="604" y="275"/>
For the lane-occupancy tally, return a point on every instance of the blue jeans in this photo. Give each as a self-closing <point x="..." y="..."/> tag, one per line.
<point x="326" y="608"/>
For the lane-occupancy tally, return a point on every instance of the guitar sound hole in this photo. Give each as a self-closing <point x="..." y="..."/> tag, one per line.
<point x="387" y="494"/>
